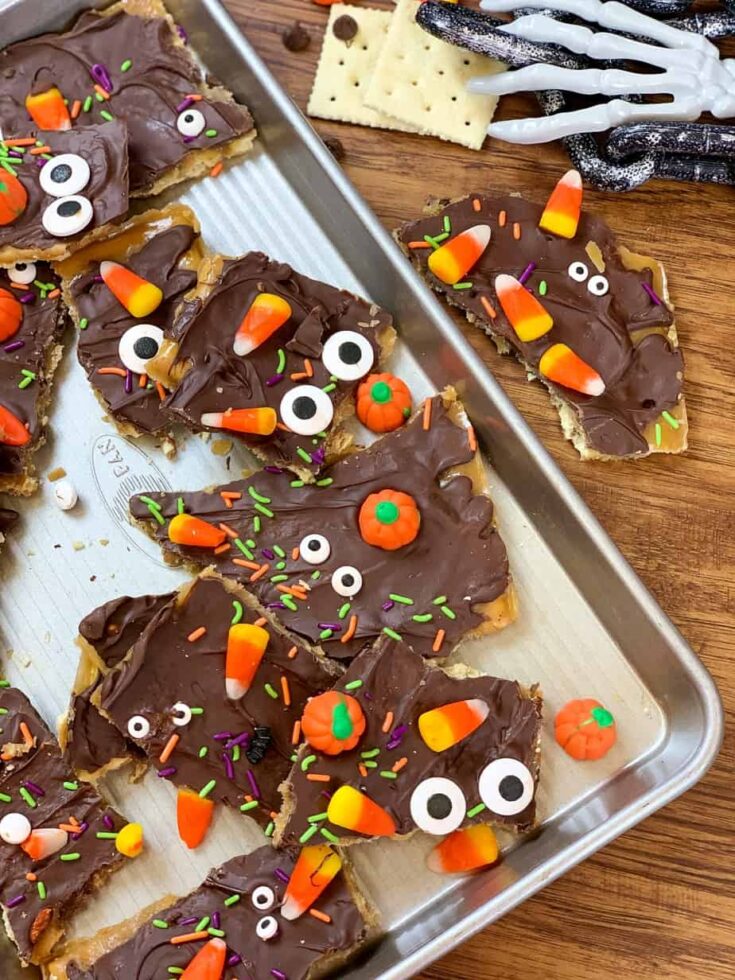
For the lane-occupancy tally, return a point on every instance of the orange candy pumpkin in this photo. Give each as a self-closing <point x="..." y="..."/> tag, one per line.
<point x="389" y="520"/>
<point x="333" y="722"/>
<point x="11" y="315"/>
<point x="383" y="402"/>
<point x="585" y="730"/>
<point x="13" y="198"/>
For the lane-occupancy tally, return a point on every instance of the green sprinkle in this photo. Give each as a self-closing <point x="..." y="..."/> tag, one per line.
<point x="215" y="932"/>
<point x="449" y="613"/>
<point x="403" y="599"/>
<point x="235" y="753"/>
<point x="316" y="574"/>
<point x="543" y="287"/>
<point x="657" y="431"/>
<point x="5" y="683"/>
<point x="258" y="496"/>
<point x="281" y="361"/>
<point x="308" y="834"/>
<point x="25" y="383"/>
<point x="332" y="838"/>
<point x="279" y="551"/>
<point x="246" y="807"/>
<point x="476" y="809"/>
<point x="202" y="924"/>
<point x="297" y="483"/>
<point x="3" y="711"/>
<point x="326" y="482"/>
<point x="250" y="543"/>
<point x="328" y="389"/>
<point x="279" y="578"/>
<point x="197" y="711"/>
<point x="257" y="524"/>
<point x="271" y="691"/>
<point x="241" y="546"/>
<point x="98" y="97"/>
<point x="105" y="835"/>
<point x="264" y="510"/>
<point x="269" y="829"/>
<point x="387" y="774"/>
<point x="353" y="685"/>
<point x="107" y="116"/>
<point x="87" y="104"/>
<point x="180" y="505"/>
<point x="72" y="787"/>
<point x="668" y="417"/>
<point x="370" y="765"/>
<point x="391" y="633"/>
<point x="211" y="133"/>
<point x="160" y="924"/>
<point x="326" y="634"/>
<point x="280" y="565"/>
<point x="237" y="606"/>
<point x="343" y="610"/>
<point x="289" y="603"/>
<point x="27" y="797"/>
<point x="41" y="890"/>
<point x="71" y="857"/>
<point x="156" y="514"/>
<point x="175" y="971"/>
<point x="307" y="761"/>
<point x="439" y="601"/>
<point x="83" y="323"/>
<point x="126" y="65"/>
<point x="204" y="793"/>
<point x="203" y="752"/>
<point x="149" y="502"/>
<point x="233" y="899"/>
<point x="422" y="618"/>
<point x="4" y="798"/>
<point x="11" y="170"/>
<point x="302" y="453"/>
<point x="318" y="817"/>
<point x="370" y="754"/>
<point x="462" y="285"/>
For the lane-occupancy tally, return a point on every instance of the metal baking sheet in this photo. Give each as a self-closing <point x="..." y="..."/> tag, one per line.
<point x="587" y="623"/>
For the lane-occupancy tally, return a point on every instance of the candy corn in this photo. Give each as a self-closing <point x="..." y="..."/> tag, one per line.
<point x="316" y="867"/>
<point x="139" y="297"/>
<point x="246" y="645"/>
<point x="48" y="110"/>
<point x="452" y="262"/>
<point x="193" y="816"/>
<point x="194" y="532"/>
<point x="251" y="421"/>
<point x="351" y="809"/>
<point x="443" y="727"/>
<point x="564" y="207"/>
<point x="267" y="314"/>
<point x="12" y="430"/>
<point x="129" y="841"/>
<point x="526" y="315"/>
<point x="465" y="850"/>
<point x="562" y="366"/>
<point x="209" y="962"/>
<point x="43" y="843"/>
<point x="11" y="313"/>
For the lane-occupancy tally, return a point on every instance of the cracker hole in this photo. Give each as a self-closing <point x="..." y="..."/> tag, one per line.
<point x="341" y="62"/>
<point x="357" y="84"/>
<point x="364" y="47"/>
<point x="454" y="98"/>
<point x="466" y="61"/>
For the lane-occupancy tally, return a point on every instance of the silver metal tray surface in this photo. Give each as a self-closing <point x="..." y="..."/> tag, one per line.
<point x="587" y="627"/>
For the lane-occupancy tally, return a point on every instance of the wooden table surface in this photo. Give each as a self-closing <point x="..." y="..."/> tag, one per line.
<point x="659" y="902"/>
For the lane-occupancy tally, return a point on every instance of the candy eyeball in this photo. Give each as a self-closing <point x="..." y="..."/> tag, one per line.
<point x="67" y="216"/>
<point x="181" y="714"/>
<point x="506" y="787"/>
<point x="347" y="581"/>
<point x="15" y="828"/>
<point x="191" y="122"/>
<point x="598" y="286"/>
<point x="139" y="345"/>
<point x="578" y="271"/>
<point x="315" y="549"/>
<point x="267" y="928"/>
<point x="438" y="806"/>
<point x="263" y="898"/>
<point x="139" y="727"/>
<point x="23" y="273"/>
<point x="306" y="410"/>
<point x="348" y="355"/>
<point x="64" y="175"/>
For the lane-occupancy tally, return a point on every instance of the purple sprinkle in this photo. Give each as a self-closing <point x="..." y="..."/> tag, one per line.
<point x="652" y="294"/>
<point x="169" y="771"/>
<point x="368" y="696"/>
<point x="102" y="76"/>
<point x="83" y="826"/>
<point x="98" y="279"/>
<point x="189" y="139"/>
<point x="274" y="380"/>
<point x="229" y="769"/>
<point x="253" y="784"/>
<point x="40" y="162"/>
<point x="282" y="876"/>
<point x="278" y="975"/>
<point x="319" y="456"/>
<point x="108" y="821"/>
<point x="33" y="787"/>
<point x="18" y="900"/>
<point x="189" y="921"/>
<point x="273" y="469"/>
<point x="396" y="736"/>
<point x="388" y="605"/>
<point x="129" y="383"/>
<point x="222" y="736"/>
<point x="182" y="33"/>
<point x="241" y="739"/>
<point x="234" y="959"/>
<point x="276" y="605"/>
<point x="16" y="345"/>
<point x="326" y="794"/>
<point x="27" y="297"/>
<point x="267" y="553"/>
<point x="527" y="273"/>
<point x="334" y="627"/>
<point x="183" y="106"/>
<point x="216" y="920"/>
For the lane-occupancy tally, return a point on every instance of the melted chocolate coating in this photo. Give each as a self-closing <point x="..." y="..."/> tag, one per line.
<point x="41" y="328"/>
<point x="8" y="520"/>
<point x="159" y="261"/>
<point x="105" y="149"/>
<point x="114" y="627"/>
<point x="457" y="553"/>
<point x="296" y="949"/>
<point x="149" y="685"/>
<point x="396" y="679"/>
<point x="219" y="379"/>
<point x="66" y="882"/>
<point x="613" y="333"/>
<point x="145" y="98"/>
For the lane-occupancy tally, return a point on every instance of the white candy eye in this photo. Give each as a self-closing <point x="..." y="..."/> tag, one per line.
<point x="438" y="806"/>
<point x="24" y="273"/>
<point x="181" y="714"/>
<point x="306" y="410"/>
<point x="578" y="271"/>
<point x="347" y="581"/>
<point x="15" y="828"/>
<point x="263" y="898"/>
<point x="598" y="285"/>
<point x="67" y="216"/>
<point x="506" y="787"/>
<point x="315" y="549"/>
<point x="139" y="727"/>
<point x="348" y="355"/>
<point x="267" y="928"/>
<point x="64" y="175"/>
<point x="191" y="122"/>
<point x="138" y="345"/>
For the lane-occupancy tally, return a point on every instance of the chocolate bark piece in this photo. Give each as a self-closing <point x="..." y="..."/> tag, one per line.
<point x="179" y="123"/>
<point x="391" y="763"/>
<point x="300" y="552"/>
<point x="75" y="197"/>
<point x="301" y="949"/>
<point x="8" y="520"/>
<point x="306" y="392"/>
<point x="32" y="321"/>
<point x="172" y="682"/>
<point x="609" y="305"/>
<point x="163" y="248"/>
<point x="38" y="784"/>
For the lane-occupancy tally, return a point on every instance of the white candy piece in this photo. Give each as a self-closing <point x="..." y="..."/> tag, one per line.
<point x="65" y="495"/>
<point x="15" y="828"/>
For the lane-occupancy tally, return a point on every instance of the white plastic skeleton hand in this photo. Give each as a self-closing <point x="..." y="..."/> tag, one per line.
<point x="692" y="73"/>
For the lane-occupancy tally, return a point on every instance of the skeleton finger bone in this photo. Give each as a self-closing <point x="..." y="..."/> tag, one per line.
<point x="588" y="81"/>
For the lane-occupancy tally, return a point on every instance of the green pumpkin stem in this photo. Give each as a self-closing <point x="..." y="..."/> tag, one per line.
<point x="342" y="727"/>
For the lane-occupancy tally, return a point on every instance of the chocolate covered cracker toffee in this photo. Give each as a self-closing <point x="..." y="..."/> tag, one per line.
<point x="583" y="314"/>
<point x="127" y="63"/>
<point x="401" y="745"/>
<point x="390" y="540"/>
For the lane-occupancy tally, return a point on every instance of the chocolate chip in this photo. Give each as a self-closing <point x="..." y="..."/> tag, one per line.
<point x="345" y="28"/>
<point x="335" y="147"/>
<point x="296" y="38"/>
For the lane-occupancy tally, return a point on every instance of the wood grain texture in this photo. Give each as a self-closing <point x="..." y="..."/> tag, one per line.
<point x="660" y="902"/>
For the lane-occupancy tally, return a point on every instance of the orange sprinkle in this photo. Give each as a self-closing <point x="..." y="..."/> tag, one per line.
<point x="472" y="439"/>
<point x="322" y="916"/>
<point x="427" y="415"/>
<point x="196" y="634"/>
<point x="308" y="368"/>
<point x="292" y="652"/>
<point x="17" y="285"/>
<point x="516" y="230"/>
<point x="161" y="390"/>
<point x="73" y="820"/>
<point x="318" y="777"/>
<point x="387" y="722"/>
<point x="228" y="504"/>
<point x="241" y="562"/>
<point x="230" y="495"/>
<point x="294" y="377"/>
<point x="100" y="91"/>
<point x="53" y="294"/>
<point x="261" y="621"/>
<point x="68" y="827"/>
<point x="30" y="876"/>
<point x="397" y="766"/>
<point x="362" y="770"/>
<point x="26" y="733"/>
<point x="489" y="308"/>
<point x="296" y="733"/>
<point x="295" y="554"/>
<point x="292" y="590"/>
<point x="119" y="371"/>
<point x="253" y="565"/>
<point x="419" y="245"/>
<point x="228" y="531"/>
<point x="286" y="691"/>
<point x="248" y="799"/>
<point x="502" y="218"/>
<point x="169" y="748"/>
<point x="477" y="204"/>
<point x="223" y="548"/>
<point x="24" y="141"/>
<point x="6" y="756"/>
<point x="38" y="150"/>
<point x="350" y="630"/>
<point x="280" y="425"/>
<point x="195" y="97"/>
<point x="263" y="570"/>
<point x="217" y="169"/>
<point x="438" y="640"/>
<point x="143" y="381"/>
<point x="190" y="937"/>
<point x="76" y="108"/>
